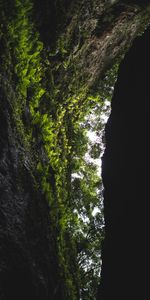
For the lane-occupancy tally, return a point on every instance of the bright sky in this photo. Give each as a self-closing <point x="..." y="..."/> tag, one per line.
<point x="93" y="137"/>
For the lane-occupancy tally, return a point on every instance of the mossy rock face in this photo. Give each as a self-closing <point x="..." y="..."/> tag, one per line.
<point x="52" y="57"/>
<point x="24" y="221"/>
<point x="92" y="36"/>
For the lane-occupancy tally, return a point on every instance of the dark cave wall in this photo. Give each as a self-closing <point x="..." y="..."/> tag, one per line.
<point x="126" y="180"/>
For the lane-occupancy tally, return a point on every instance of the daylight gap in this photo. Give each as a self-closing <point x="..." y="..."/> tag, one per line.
<point x="88" y="187"/>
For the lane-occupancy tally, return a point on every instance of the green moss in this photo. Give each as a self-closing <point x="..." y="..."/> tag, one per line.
<point x="23" y="66"/>
<point x="48" y="109"/>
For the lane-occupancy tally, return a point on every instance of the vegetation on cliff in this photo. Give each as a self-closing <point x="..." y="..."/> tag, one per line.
<point x="55" y="76"/>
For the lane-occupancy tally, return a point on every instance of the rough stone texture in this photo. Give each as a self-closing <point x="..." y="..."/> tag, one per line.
<point x="94" y="34"/>
<point x="28" y="266"/>
<point x="126" y="180"/>
<point x="108" y="32"/>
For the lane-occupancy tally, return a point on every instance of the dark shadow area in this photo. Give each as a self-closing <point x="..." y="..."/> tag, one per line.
<point x="49" y="19"/>
<point x="126" y="180"/>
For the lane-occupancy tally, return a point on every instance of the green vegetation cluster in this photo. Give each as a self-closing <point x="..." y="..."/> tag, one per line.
<point x="49" y="114"/>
